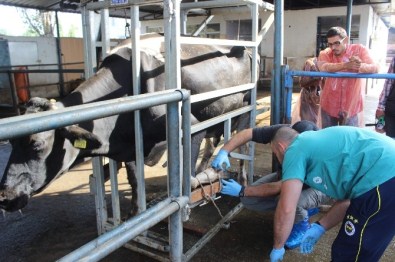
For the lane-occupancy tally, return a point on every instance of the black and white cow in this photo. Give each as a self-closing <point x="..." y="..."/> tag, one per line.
<point x="38" y="159"/>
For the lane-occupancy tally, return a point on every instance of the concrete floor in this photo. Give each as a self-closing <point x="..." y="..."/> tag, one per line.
<point x="61" y="219"/>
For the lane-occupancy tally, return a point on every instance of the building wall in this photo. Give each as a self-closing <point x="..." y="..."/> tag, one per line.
<point x="300" y="30"/>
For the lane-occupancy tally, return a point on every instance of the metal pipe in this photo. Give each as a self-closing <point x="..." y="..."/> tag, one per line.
<point x="186" y="142"/>
<point x="226" y="3"/>
<point x="254" y="79"/>
<point x="216" y="120"/>
<point x="211" y="233"/>
<point x="33" y="123"/>
<point x="349" y="18"/>
<point x="212" y="41"/>
<point x="111" y="240"/>
<point x="202" y="25"/>
<point x="340" y="74"/>
<point x="42" y="71"/>
<point x="278" y="58"/>
<point x="14" y="95"/>
<point x="116" y="212"/>
<point x="59" y="56"/>
<point x="171" y="14"/>
<point x="221" y="92"/>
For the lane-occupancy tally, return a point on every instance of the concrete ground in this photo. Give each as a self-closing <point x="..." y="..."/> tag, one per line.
<point x="62" y="218"/>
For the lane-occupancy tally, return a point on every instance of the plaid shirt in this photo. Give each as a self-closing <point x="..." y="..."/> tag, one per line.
<point x="387" y="88"/>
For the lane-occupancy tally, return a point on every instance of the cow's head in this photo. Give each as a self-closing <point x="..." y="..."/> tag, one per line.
<point x="38" y="159"/>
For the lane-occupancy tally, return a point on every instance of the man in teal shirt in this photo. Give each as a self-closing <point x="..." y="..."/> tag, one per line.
<point x="354" y="166"/>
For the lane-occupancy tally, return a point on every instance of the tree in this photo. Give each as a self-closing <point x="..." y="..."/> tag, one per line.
<point x="39" y="22"/>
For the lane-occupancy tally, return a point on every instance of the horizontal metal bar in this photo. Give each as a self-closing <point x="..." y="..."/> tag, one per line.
<point x="211" y="233"/>
<point x="241" y="156"/>
<point x="216" y="120"/>
<point x="108" y="4"/>
<point x="226" y="3"/>
<point x="212" y="41"/>
<point x="222" y="92"/>
<point x="43" y="71"/>
<point x="34" y="65"/>
<point x="112" y="240"/>
<point x="33" y="123"/>
<point x="340" y="74"/>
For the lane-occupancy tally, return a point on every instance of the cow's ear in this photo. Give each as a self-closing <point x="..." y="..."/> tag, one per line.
<point x="80" y="138"/>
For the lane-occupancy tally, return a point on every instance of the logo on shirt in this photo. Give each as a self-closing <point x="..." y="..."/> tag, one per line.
<point x="317" y="180"/>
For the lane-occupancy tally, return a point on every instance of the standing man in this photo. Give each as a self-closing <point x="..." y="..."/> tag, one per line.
<point x="263" y="194"/>
<point x="354" y="166"/>
<point x="386" y="106"/>
<point x="342" y="98"/>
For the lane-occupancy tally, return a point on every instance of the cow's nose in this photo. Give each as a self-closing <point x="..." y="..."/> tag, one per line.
<point x="14" y="204"/>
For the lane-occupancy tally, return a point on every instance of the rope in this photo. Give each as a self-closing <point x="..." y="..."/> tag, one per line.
<point x="207" y="196"/>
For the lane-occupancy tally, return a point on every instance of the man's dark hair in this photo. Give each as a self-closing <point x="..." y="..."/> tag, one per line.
<point x="304" y="125"/>
<point x="336" y="30"/>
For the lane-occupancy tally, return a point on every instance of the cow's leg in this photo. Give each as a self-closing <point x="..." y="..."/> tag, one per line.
<point x="196" y="141"/>
<point x="131" y="173"/>
<point x="209" y="148"/>
<point x="243" y="123"/>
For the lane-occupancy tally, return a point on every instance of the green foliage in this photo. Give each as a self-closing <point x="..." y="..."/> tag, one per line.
<point x="39" y="23"/>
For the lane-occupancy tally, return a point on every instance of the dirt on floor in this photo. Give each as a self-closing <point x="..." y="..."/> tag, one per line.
<point x="62" y="218"/>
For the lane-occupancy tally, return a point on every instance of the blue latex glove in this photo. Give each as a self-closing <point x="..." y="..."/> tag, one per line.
<point x="277" y="254"/>
<point x="311" y="237"/>
<point x="220" y="159"/>
<point x="231" y="187"/>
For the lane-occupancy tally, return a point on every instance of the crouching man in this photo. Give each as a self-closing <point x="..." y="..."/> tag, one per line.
<point x="263" y="194"/>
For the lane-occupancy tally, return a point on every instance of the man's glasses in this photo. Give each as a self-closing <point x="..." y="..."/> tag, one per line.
<point x="335" y="44"/>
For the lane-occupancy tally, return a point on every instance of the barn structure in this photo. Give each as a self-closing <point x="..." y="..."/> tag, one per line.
<point x="274" y="37"/>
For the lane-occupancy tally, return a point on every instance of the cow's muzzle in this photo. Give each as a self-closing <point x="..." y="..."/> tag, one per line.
<point x="14" y="204"/>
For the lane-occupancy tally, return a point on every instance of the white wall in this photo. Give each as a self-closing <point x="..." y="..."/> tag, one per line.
<point x="37" y="51"/>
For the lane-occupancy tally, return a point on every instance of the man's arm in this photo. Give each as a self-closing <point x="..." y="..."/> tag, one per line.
<point x="335" y="215"/>
<point x="285" y="211"/>
<point x="239" y="139"/>
<point x="263" y="190"/>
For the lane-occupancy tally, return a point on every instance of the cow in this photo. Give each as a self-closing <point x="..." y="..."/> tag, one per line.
<point x="38" y="159"/>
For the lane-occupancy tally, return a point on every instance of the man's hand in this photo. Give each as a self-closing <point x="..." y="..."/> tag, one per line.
<point x="220" y="159"/>
<point x="310" y="238"/>
<point x="231" y="187"/>
<point x="352" y="65"/>
<point x="277" y="254"/>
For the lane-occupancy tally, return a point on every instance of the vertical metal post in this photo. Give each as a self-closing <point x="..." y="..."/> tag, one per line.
<point x="186" y="148"/>
<point x="278" y="58"/>
<point x="171" y="14"/>
<point x="105" y="32"/>
<point x="135" y="40"/>
<point x="116" y="212"/>
<point x="254" y="79"/>
<point x="349" y="18"/>
<point x="101" y="208"/>
<point x="14" y="95"/>
<point x="59" y="55"/>
<point x="184" y="18"/>
<point x="89" y="46"/>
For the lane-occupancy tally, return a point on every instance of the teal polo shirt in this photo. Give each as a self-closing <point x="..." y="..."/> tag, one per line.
<point x="343" y="162"/>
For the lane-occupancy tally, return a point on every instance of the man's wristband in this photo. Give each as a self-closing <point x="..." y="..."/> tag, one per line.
<point x="241" y="193"/>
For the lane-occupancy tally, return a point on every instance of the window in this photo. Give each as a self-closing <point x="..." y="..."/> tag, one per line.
<point x="209" y="31"/>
